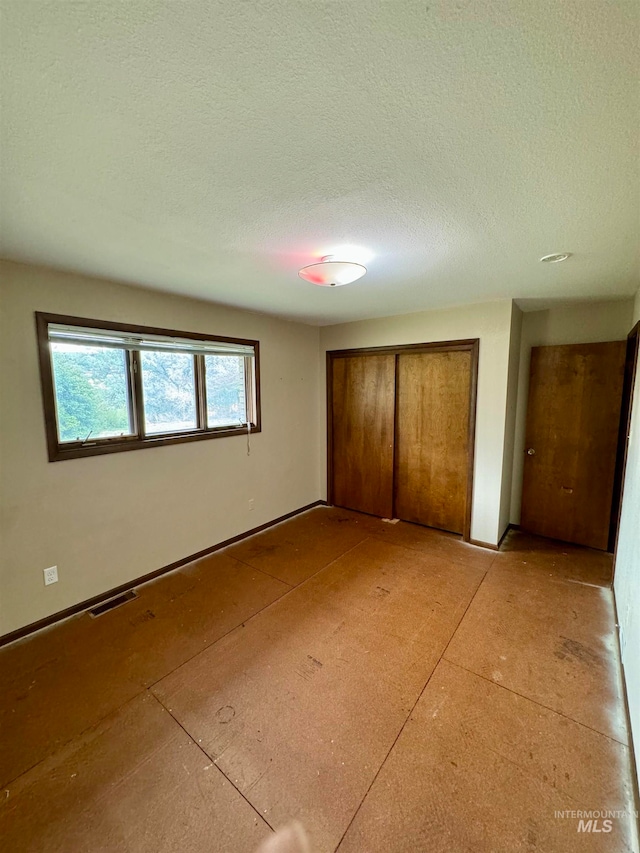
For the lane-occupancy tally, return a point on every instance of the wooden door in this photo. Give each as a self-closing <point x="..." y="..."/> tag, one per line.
<point x="363" y="400"/>
<point x="573" y="415"/>
<point x="433" y="438"/>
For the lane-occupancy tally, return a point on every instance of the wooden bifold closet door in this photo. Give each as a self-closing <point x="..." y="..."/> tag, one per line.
<point x="363" y="393"/>
<point x="401" y="433"/>
<point x="432" y="442"/>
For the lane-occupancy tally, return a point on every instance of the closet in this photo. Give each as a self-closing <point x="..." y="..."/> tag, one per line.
<point x="401" y="430"/>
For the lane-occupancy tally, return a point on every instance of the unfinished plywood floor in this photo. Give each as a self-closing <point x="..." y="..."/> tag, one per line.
<point x="388" y="686"/>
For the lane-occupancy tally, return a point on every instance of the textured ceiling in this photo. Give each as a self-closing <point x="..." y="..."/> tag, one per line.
<point x="213" y="148"/>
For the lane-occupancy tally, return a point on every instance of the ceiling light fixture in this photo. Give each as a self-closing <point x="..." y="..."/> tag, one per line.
<point x="331" y="272"/>
<point x="555" y="259"/>
<point x="350" y="252"/>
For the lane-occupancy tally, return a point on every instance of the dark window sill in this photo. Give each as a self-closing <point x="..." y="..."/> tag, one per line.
<point x="61" y="452"/>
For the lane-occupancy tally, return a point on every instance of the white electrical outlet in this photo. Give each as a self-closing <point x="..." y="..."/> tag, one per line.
<point x="50" y="575"/>
<point x="250" y="504"/>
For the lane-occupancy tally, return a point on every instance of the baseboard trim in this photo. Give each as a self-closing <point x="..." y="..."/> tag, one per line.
<point x="480" y="544"/>
<point x="508" y="528"/>
<point x="488" y="545"/>
<point x="20" y="633"/>
<point x="625" y="698"/>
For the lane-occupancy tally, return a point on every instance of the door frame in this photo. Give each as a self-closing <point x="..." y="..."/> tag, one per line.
<point x="630" y="371"/>
<point x="471" y="345"/>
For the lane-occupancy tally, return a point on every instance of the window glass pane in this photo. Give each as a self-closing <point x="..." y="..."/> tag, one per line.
<point x="169" y="392"/>
<point x="226" y="404"/>
<point x="92" y="392"/>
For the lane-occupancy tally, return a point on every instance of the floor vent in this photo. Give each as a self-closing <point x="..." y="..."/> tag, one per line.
<point x="114" y="602"/>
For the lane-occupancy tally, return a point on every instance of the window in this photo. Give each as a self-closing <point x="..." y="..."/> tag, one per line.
<point x="109" y="387"/>
<point x="168" y="392"/>
<point x="226" y="401"/>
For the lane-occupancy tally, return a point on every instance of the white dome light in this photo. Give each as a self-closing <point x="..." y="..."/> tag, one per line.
<point x="352" y="253"/>
<point x="332" y="273"/>
<point x="555" y="259"/>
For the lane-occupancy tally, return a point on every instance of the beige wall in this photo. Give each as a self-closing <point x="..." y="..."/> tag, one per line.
<point x="515" y="343"/>
<point x="105" y="520"/>
<point x="491" y="323"/>
<point x="587" y="322"/>
<point x="627" y="568"/>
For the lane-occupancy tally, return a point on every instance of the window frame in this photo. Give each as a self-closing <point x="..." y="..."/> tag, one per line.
<point x="58" y="450"/>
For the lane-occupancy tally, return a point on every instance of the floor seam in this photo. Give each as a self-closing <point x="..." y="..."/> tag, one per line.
<point x="558" y="579"/>
<point x="246" y="621"/>
<point x="481" y="575"/>
<point x="148" y="687"/>
<point x="439" y="555"/>
<point x="406" y="720"/>
<point x="60" y="747"/>
<point x="262" y="571"/>
<point x="217" y="640"/>
<point x="535" y="702"/>
<point x="295" y="586"/>
<point x="211" y="759"/>
<point x="331" y="562"/>
<point x="466" y="610"/>
<point x="143" y="688"/>
<point x="594" y="585"/>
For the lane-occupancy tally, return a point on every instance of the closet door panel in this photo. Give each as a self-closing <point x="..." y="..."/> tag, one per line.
<point x="363" y="401"/>
<point x="432" y="438"/>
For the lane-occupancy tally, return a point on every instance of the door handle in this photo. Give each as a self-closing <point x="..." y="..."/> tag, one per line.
<point x="531" y="452"/>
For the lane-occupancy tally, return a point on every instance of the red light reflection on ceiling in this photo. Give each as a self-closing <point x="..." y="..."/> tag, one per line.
<point x="314" y="278"/>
